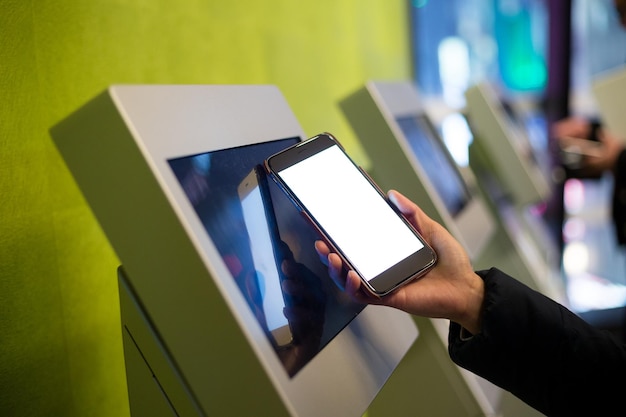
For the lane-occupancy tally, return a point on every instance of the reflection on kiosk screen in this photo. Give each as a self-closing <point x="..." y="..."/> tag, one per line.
<point x="437" y="163"/>
<point x="262" y="241"/>
<point x="260" y="220"/>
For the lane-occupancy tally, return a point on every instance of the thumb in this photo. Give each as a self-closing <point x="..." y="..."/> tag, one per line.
<point x="402" y="203"/>
<point x="409" y="209"/>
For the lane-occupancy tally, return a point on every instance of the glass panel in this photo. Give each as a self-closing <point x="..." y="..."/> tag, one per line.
<point x="268" y="248"/>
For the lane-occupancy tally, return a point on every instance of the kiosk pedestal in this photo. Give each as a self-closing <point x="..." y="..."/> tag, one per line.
<point x="154" y="386"/>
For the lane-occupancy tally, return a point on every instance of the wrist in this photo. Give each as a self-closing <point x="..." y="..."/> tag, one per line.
<point x="471" y="317"/>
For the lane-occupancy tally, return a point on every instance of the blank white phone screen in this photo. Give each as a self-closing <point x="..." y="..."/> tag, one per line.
<point x="351" y="211"/>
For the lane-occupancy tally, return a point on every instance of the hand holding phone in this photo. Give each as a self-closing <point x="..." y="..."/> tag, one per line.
<point x="352" y="214"/>
<point x="451" y="290"/>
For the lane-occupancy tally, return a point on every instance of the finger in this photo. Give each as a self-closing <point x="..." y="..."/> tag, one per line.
<point x="333" y="262"/>
<point x="607" y="138"/>
<point x="357" y="291"/>
<point x="353" y="284"/>
<point x="335" y="269"/>
<point x="298" y="315"/>
<point x="291" y="288"/>
<point x="288" y="267"/>
<point x="411" y="211"/>
<point x="403" y="204"/>
<point x="322" y="251"/>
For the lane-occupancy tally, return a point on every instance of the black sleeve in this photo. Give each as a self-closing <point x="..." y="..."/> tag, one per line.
<point x="619" y="198"/>
<point x="594" y="127"/>
<point x="542" y="353"/>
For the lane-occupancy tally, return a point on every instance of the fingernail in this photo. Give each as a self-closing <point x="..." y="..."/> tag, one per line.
<point x="392" y="198"/>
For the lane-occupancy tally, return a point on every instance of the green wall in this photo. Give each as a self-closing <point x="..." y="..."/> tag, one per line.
<point x="60" y="337"/>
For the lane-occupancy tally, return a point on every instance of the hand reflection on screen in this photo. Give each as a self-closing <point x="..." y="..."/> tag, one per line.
<point x="305" y="311"/>
<point x="305" y="304"/>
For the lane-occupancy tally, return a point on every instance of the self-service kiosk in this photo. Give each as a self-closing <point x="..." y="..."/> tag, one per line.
<point x="408" y="154"/>
<point x="513" y="180"/>
<point x="226" y="309"/>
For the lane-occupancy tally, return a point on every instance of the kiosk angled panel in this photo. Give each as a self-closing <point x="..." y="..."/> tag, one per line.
<point x="609" y="91"/>
<point x="509" y="151"/>
<point x="512" y="180"/>
<point x="161" y="166"/>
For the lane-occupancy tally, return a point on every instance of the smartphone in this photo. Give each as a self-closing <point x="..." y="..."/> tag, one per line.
<point x="352" y="213"/>
<point x="573" y="151"/>
<point x="260" y="221"/>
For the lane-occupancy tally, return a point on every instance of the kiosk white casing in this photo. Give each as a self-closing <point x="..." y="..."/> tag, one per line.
<point x="508" y="149"/>
<point x="609" y="91"/>
<point x="192" y="345"/>
<point x="512" y="180"/>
